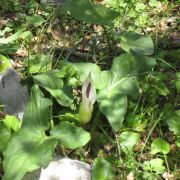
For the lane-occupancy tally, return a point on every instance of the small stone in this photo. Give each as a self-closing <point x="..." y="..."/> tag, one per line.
<point x="66" y="169"/>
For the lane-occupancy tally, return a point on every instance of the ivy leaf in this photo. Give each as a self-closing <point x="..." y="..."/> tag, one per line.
<point x="137" y="42"/>
<point x="128" y="140"/>
<point x="30" y="148"/>
<point x="69" y="135"/>
<point x="89" y="12"/>
<point x="120" y="82"/>
<point x="160" y="145"/>
<point x="102" y="170"/>
<point x="55" y="87"/>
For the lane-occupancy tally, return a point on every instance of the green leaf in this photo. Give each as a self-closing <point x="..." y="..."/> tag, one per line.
<point x="137" y="42"/>
<point x="128" y="140"/>
<point x="69" y="135"/>
<point x="13" y="37"/>
<point x="174" y="123"/>
<point x="8" y="48"/>
<point x="30" y="148"/>
<point x="120" y="82"/>
<point x="35" y="20"/>
<point x="38" y="63"/>
<point x="160" y="146"/>
<point x="83" y="70"/>
<point x="177" y="81"/>
<point x="11" y="122"/>
<point x="178" y="142"/>
<point x="4" y="63"/>
<point x="55" y="87"/>
<point x="5" y="136"/>
<point x="102" y="170"/>
<point x="154" y="165"/>
<point x="161" y="89"/>
<point x="89" y="12"/>
<point x="37" y="112"/>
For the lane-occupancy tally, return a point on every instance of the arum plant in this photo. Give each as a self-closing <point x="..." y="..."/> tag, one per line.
<point x="88" y="100"/>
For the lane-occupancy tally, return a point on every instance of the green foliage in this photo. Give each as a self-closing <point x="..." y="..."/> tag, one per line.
<point x="154" y="165"/>
<point x="173" y="120"/>
<point x="177" y="82"/>
<point x="130" y="96"/>
<point x="30" y="148"/>
<point x="38" y="63"/>
<point x="13" y="37"/>
<point x="35" y="20"/>
<point x="69" y="135"/>
<point x="128" y="140"/>
<point x="120" y="83"/>
<point x="102" y="170"/>
<point x="4" y="63"/>
<point x="160" y="146"/>
<point x="56" y="87"/>
<point x="136" y="42"/>
<point x="5" y="136"/>
<point x="89" y="12"/>
<point x="11" y="122"/>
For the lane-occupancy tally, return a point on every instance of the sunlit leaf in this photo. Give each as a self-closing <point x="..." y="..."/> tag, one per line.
<point x="4" y="63"/>
<point x="128" y="140"/>
<point x="11" y="122"/>
<point x="12" y="38"/>
<point x="154" y="165"/>
<point x="160" y="146"/>
<point x="120" y="82"/>
<point x="102" y="170"/>
<point x="69" y="135"/>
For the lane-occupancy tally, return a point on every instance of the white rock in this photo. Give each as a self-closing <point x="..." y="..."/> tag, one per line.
<point x="66" y="169"/>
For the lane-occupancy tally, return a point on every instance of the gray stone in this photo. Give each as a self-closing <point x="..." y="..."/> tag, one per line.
<point x="12" y="94"/>
<point x="66" y="169"/>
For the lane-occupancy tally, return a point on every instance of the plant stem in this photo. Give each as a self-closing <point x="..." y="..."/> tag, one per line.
<point x="150" y="132"/>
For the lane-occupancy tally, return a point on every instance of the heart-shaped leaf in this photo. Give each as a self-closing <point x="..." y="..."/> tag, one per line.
<point x="55" y="86"/>
<point x="160" y="145"/>
<point x="128" y="139"/>
<point x="69" y="135"/>
<point x="102" y="170"/>
<point x="89" y="12"/>
<point x="137" y="42"/>
<point x="120" y="82"/>
<point x="30" y="148"/>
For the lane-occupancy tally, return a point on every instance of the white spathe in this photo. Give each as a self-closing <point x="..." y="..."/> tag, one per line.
<point x="66" y="169"/>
